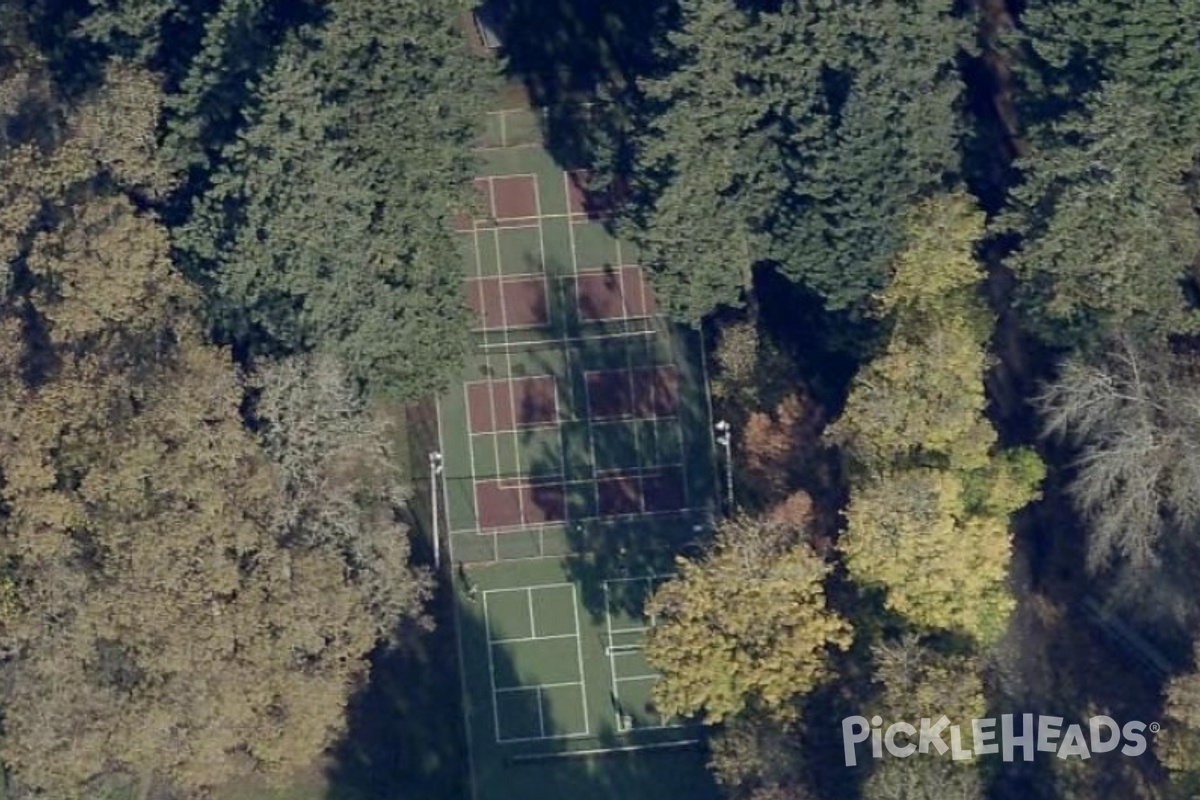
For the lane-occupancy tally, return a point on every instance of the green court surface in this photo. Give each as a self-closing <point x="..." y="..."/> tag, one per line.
<point x="578" y="461"/>
<point x="558" y="694"/>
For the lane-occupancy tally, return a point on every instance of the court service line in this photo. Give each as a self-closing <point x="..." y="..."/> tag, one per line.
<point x="487" y="626"/>
<point x="512" y="397"/>
<point x="527" y="639"/>
<point x="587" y="722"/>
<point x="587" y="390"/>
<point x="467" y="398"/>
<point x="519" y="689"/>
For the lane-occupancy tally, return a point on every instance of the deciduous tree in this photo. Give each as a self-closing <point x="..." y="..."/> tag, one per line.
<point x="157" y="619"/>
<point x="746" y="626"/>
<point x="1134" y="418"/>
<point x="931" y="491"/>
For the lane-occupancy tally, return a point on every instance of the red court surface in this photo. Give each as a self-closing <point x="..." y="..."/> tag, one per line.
<point x="499" y="505"/>
<point x="498" y="406"/>
<point x="501" y="303"/>
<point x="664" y="491"/>
<point x="658" y="492"/>
<point x="642" y="393"/>
<point x="514" y="197"/>
<point x="621" y="293"/>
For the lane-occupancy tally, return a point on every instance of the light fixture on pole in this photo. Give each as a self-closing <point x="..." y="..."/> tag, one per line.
<point x="725" y="439"/>
<point x="435" y="470"/>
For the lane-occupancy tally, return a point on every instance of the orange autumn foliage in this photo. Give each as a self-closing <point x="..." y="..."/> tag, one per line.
<point x="777" y="446"/>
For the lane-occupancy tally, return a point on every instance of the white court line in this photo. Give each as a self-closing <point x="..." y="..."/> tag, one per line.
<point x="620" y="268"/>
<point x="491" y="197"/>
<point x="555" y="737"/>
<point x="512" y="398"/>
<point x="642" y="334"/>
<point x="495" y="149"/>
<point x="519" y="689"/>
<point x="467" y="399"/>
<point x="587" y="391"/>
<point x="612" y="662"/>
<point x="587" y="722"/>
<point x="522" y="378"/>
<point x="532" y="623"/>
<point x="537" y="199"/>
<point x="642" y="629"/>
<point x="537" y="203"/>
<point x="684" y="475"/>
<point x="654" y="576"/>
<point x="487" y="626"/>
<point x="710" y="435"/>
<point x="533" y="586"/>
<point x="637" y="439"/>
<point x="655" y="471"/>
<point x="561" y="344"/>
<point x="508" y="223"/>
<point x="541" y="714"/>
<point x="520" y="639"/>
<point x="606" y="519"/>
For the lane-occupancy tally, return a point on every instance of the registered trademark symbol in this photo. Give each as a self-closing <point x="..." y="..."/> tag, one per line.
<point x="1155" y="727"/>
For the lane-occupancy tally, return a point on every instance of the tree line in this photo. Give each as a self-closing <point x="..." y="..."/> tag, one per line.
<point x="226" y="252"/>
<point x="835" y="146"/>
<point x="226" y="240"/>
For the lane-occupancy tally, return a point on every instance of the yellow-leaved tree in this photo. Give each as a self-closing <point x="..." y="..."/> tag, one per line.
<point x="932" y="491"/>
<point x="745" y="627"/>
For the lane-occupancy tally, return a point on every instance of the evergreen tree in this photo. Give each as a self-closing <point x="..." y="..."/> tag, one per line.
<point x="328" y="225"/>
<point x="792" y="135"/>
<point x="1108" y="230"/>
<point x="1072" y="48"/>
<point x="1105" y="209"/>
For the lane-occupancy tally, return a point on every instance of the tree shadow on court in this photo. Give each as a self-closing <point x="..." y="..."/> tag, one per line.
<point x="623" y="552"/>
<point x="569" y="52"/>
<point x="408" y="736"/>
<point x="612" y="547"/>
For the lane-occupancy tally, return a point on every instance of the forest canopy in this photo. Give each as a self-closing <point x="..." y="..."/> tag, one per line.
<point x="942" y="256"/>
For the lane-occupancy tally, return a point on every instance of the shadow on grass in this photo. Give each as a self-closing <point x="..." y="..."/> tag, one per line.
<point x="405" y="733"/>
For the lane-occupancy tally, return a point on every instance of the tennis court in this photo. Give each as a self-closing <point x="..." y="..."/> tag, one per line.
<point x="554" y="691"/>
<point x="633" y="678"/>
<point x="577" y="460"/>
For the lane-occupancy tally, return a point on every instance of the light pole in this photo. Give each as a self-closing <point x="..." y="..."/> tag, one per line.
<point x="435" y="470"/>
<point x="725" y="439"/>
